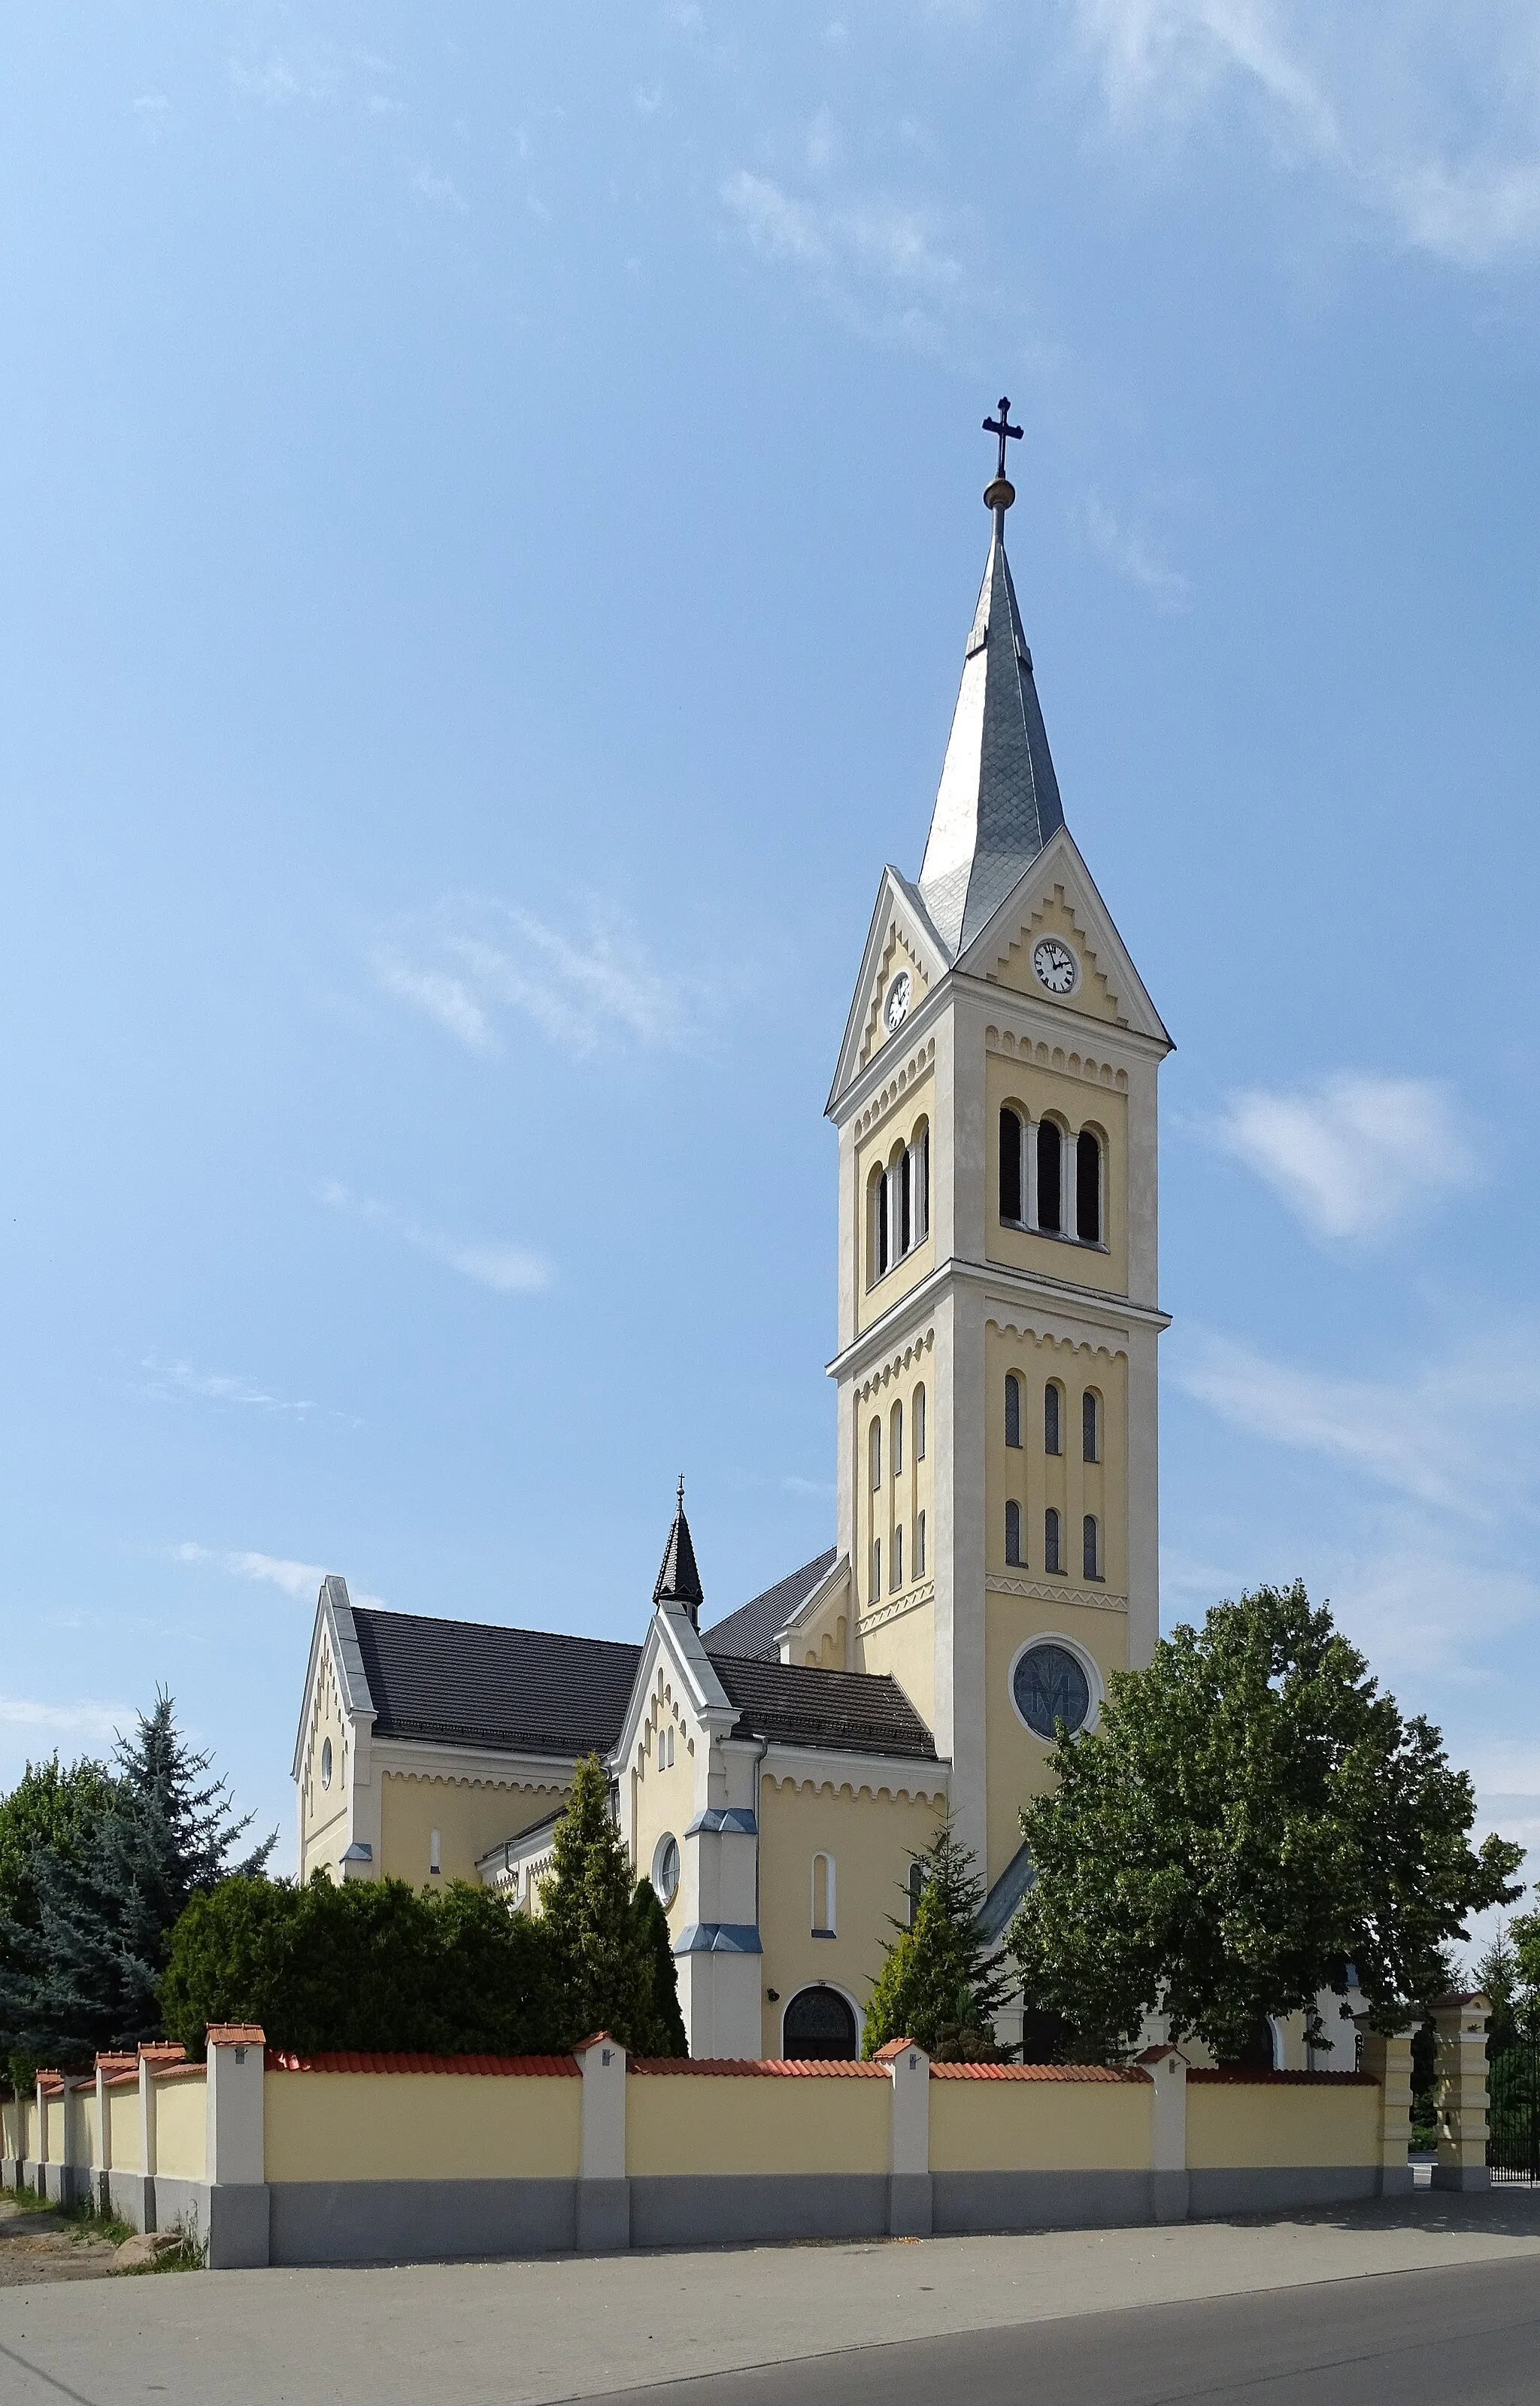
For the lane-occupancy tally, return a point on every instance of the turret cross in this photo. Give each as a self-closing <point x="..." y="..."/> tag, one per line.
<point x="1003" y="428"/>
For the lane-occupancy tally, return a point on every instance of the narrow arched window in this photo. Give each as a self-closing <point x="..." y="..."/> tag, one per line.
<point x="897" y="1579"/>
<point x="1011" y="1167"/>
<point x="1051" y="1541"/>
<point x="823" y="1896"/>
<point x="1090" y="1427"/>
<point x="1050" y="1178"/>
<point x="897" y="1442"/>
<point x="919" y="1545"/>
<point x="1087" y="1188"/>
<point x="919" y="1425"/>
<point x="1013" y="1409"/>
<point x="876" y="1573"/>
<point x="906" y="1202"/>
<point x="916" y="1885"/>
<point x="876" y="1449"/>
<point x="1052" y="1441"/>
<point x="1013" y="1533"/>
<point x="1090" y="1562"/>
<point x="922" y="1187"/>
<point x="884" y="1208"/>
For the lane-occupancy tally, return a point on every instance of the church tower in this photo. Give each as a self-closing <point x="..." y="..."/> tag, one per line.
<point x="998" y="1315"/>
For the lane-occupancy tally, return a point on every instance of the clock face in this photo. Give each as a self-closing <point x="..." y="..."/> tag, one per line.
<point x="896" y="1006"/>
<point x="1057" y="966"/>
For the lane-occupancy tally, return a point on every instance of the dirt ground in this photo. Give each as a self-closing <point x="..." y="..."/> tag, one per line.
<point x="42" y="2247"/>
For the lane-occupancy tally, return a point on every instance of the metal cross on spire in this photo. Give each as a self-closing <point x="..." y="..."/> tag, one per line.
<point x="1003" y="428"/>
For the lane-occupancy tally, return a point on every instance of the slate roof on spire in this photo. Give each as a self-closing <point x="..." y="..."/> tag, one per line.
<point x="679" y="1581"/>
<point x="999" y="801"/>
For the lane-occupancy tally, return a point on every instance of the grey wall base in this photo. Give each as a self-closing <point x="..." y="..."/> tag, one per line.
<point x="1253" y="2189"/>
<point x="966" y="2202"/>
<point x="1170" y="2196"/>
<point x="1396" y="2180"/>
<point x="419" y="2221"/>
<point x="132" y="2198"/>
<point x="603" y="2216"/>
<point x="1462" y="2177"/>
<point x="910" y="2206"/>
<point x="693" y="2209"/>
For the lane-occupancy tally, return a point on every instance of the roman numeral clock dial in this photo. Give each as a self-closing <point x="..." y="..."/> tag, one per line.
<point x="1056" y="965"/>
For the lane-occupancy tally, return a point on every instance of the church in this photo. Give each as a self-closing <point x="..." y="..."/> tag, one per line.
<point x="995" y="1552"/>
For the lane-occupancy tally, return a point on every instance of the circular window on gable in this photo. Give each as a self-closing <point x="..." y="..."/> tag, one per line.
<point x="666" y="1869"/>
<point x="1050" y="1685"/>
<point x="326" y="1762"/>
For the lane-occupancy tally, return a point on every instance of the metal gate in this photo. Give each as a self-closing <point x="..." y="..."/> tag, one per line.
<point x="1513" y="2112"/>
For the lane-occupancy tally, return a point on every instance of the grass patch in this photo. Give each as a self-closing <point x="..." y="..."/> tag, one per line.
<point x="84" y="2220"/>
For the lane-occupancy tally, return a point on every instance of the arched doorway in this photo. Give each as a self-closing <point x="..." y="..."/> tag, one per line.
<point x="819" y="2028"/>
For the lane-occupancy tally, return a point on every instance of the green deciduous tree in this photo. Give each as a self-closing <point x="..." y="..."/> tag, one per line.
<point x="941" y="1984"/>
<point x="86" y="1976"/>
<point x="1250" y="1817"/>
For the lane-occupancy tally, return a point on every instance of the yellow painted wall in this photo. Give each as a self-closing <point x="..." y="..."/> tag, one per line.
<point x="323" y="1810"/>
<point x="1239" y="2123"/>
<point x="913" y="1111"/>
<point x="88" y="2127"/>
<point x="421" y="2126"/>
<point x="53" y="2111"/>
<point x="896" y="954"/>
<point x="872" y="1839"/>
<point x="470" y="1816"/>
<point x="123" y="2122"/>
<point x="905" y="1647"/>
<point x="1093" y="999"/>
<point x="1044" y="1091"/>
<point x="1040" y="2126"/>
<point x="683" y="2123"/>
<point x="13" y="2126"/>
<point x="180" y="2129"/>
<point x="1018" y="1761"/>
<point x="825" y="1638"/>
<point x="1036" y="1478"/>
<point x="900" y="1498"/>
<point x="662" y="1796"/>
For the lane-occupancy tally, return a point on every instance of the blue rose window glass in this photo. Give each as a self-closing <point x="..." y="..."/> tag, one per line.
<point x="1051" y="1687"/>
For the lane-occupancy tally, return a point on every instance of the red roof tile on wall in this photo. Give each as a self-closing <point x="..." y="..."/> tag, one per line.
<point x="513" y="2067"/>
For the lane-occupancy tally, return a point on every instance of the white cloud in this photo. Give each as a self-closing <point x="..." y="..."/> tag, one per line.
<point x="300" y="1581"/>
<point x="506" y="1268"/>
<point x="1354" y="1154"/>
<point x="1460" y="1434"/>
<point x="441" y="191"/>
<point x="1429" y="117"/>
<point x="216" y="1387"/>
<point x="1135" y="557"/>
<point x="854" y="249"/>
<point x="596" y="990"/>
<point x="150" y="104"/>
<point x="94" y="1722"/>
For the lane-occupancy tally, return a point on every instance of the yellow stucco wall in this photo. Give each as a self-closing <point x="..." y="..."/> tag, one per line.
<point x="1018" y="1761"/>
<point x="1036" y="1478"/>
<point x="53" y="2112"/>
<point x="421" y="2126"/>
<point x="825" y="1638"/>
<point x="1093" y="999"/>
<point x="662" y="1794"/>
<point x="905" y="1647"/>
<point x="323" y="1808"/>
<point x="471" y="1815"/>
<point x="180" y="2110"/>
<point x="88" y="2126"/>
<point x="13" y="2127"/>
<point x="872" y="1839"/>
<point x="1242" y="2123"/>
<point x="1039" y="2125"/>
<point x="123" y="2123"/>
<point x="913" y="1112"/>
<point x="1044" y="1091"/>
<point x="686" y="2123"/>
<point x="898" y="1498"/>
<point x="895" y="955"/>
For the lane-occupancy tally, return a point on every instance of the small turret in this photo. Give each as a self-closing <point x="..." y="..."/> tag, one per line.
<point x="678" y="1580"/>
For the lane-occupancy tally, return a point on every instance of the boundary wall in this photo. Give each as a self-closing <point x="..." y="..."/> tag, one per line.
<point x="275" y="2158"/>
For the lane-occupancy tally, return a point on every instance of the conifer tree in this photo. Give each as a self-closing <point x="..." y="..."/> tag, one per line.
<point x="601" y="1974"/>
<point x="87" y="1978"/>
<point x="667" y="2034"/>
<point x="942" y="1984"/>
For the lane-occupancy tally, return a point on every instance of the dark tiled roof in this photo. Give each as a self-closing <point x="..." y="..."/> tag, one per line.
<point x="679" y="1581"/>
<point x="859" y="1712"/>
<point x="752" y="1629"/>
<point x="474" y="1685"/>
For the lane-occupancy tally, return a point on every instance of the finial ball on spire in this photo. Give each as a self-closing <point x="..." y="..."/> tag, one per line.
<point x="1000" y="492"/>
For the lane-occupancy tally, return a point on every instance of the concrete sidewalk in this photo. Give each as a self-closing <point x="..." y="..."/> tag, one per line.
<point x="528" y="2332"/>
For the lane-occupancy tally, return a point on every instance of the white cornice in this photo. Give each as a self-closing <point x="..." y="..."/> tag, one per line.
<point x="1041" y="1591"/>
<point x="901" y="1774"/>
<point x="1085" y="1303"/>
<point x="496" y="1766"/>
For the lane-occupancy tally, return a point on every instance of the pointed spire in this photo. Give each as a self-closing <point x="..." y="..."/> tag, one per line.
<point x="999" y="799"/>
<point x="679" y="1581"/>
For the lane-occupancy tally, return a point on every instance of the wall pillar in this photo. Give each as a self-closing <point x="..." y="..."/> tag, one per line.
<point x="101" y="2168"/>
<point x="1170" y="2187"/>
<point x="1389" y="2060"/>
<point x="152" y="2059"/>
<point x="44" y="2170"/>
<point x="1462" y="2102"/>
<point x="910" y="2194"/>
<point x="234" y="2147"/>
<point x="603" y="2192"/>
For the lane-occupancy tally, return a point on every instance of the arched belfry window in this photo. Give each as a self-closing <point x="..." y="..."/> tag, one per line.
<point x="1051" y="1558"/>
<point x="1013" y="1533"/>
<point x="1011" y="1167"/>
<point x="899" y="1204"/>
<point x="1013" y="1409"/>
<point x="1053" y="1436"/>
<point x="1087" y="1188"/>
<point x="1050" y="1178"/>
<point x="1090" y="1427"/>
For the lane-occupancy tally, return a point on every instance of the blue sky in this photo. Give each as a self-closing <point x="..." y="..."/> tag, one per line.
<point x="490" y="512"/>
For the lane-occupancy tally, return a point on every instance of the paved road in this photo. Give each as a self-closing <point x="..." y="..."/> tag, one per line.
<point x="532" y="2332"/>
<point x="1463" y="2337"/>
